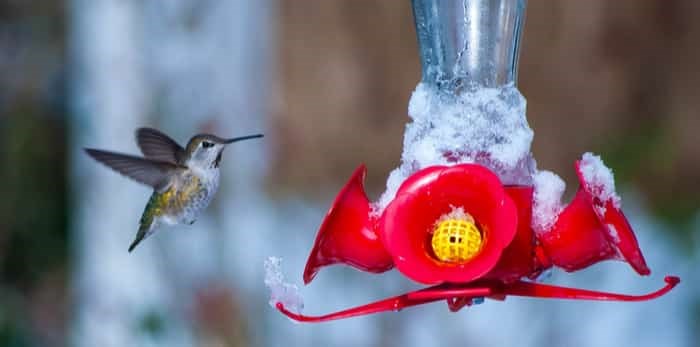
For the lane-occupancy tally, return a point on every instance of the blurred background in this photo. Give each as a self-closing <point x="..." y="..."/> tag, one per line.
<point x="328" y="82"/>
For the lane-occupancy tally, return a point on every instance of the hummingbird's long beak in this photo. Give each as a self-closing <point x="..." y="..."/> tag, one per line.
<point x="236" y="139"/>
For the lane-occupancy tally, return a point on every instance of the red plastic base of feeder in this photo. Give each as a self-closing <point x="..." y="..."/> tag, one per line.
<point x="460" y="295"/>
<point x="459" y="229"/>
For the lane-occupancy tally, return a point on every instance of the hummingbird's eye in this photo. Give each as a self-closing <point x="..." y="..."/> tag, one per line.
<point x="206" y="144"/>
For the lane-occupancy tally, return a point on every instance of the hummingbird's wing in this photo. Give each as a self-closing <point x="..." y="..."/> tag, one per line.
<point x="158" y="146"/>
<point x="149" y="172"/>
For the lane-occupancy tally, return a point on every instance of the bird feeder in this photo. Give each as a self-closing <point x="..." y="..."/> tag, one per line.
<point x="464" y="228"/>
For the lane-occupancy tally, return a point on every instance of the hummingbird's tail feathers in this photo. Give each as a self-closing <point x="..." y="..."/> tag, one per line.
<point x="149" y="172"/>
<point x="136" y="242"/>
<point x="157" y="146"/>
<point x="143" y="232"/>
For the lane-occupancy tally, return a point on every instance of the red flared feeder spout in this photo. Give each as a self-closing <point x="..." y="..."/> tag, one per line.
<point x="347" y="234"/>
<point x="590" y="230"/>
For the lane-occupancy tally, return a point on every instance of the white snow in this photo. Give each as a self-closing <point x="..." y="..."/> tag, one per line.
<point x="549" y="188"/>
<point x="480" y="125"/>
<point x="396" y="177"/>
<point x="455" y="213"/>
<point x="599" y="178"/>
<point x="280" y="291"/>
<point x="613" y="233"/>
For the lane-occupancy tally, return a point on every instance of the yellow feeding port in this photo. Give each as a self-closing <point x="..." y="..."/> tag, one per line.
<point x="456" y="240"/>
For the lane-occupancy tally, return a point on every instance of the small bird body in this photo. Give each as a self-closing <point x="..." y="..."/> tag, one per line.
<point x="188" y="195"/>
<point x="184" y="180"/>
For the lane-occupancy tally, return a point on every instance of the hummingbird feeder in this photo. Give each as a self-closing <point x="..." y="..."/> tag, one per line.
<point x="466" y="229"/>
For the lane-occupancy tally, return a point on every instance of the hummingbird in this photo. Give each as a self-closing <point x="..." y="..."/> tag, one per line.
<point x="184" y="180"/>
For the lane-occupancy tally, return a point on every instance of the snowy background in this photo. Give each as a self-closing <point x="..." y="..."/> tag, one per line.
<point x="329" y="83"/>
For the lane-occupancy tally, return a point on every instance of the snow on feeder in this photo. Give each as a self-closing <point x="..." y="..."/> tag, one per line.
<point x="467" y="212"/>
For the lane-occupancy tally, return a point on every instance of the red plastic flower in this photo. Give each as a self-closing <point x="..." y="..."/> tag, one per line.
<point x="459" y="228"/>
<point x="408" y="222"/>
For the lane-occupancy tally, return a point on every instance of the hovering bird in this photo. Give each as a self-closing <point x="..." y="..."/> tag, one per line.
<point x="184" y="180"/>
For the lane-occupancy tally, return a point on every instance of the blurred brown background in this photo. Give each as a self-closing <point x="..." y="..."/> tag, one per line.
<point x="618" y="78"/>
